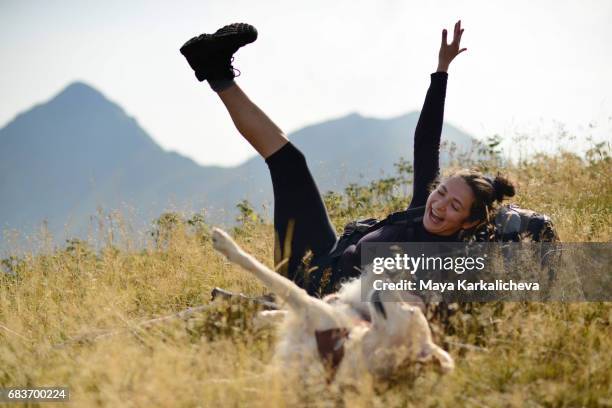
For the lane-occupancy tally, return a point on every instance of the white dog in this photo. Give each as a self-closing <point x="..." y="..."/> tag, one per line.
<point x="342" y="336"/>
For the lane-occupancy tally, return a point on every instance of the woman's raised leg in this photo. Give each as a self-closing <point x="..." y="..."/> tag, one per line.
<point x="301" y="221"/>
<point x="252" y="123"/>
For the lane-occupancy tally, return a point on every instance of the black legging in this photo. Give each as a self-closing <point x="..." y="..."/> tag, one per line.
<point x="301" y="222"/>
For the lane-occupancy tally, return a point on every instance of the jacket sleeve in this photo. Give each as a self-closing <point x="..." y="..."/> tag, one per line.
<point x="426" y="161"/>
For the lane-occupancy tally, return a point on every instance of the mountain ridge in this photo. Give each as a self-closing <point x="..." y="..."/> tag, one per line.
<point x="79" y="151"/>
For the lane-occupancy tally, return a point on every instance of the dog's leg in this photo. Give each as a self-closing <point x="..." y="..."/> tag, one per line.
<point x="446" y="361"/>
<point x="281" y="286"/>
<point x="296" y="297"/>
<point x="430" y="350"/>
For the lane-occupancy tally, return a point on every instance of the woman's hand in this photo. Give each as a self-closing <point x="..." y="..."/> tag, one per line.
<point x="448" y="52"/>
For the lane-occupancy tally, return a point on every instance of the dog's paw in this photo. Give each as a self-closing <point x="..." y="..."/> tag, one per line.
<point x="223" y="243"/>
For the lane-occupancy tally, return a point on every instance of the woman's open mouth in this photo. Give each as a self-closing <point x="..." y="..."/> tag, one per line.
<point x="434" y="218"/>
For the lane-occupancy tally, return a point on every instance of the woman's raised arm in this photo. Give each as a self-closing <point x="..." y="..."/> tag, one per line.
<point x="428" y="131"/>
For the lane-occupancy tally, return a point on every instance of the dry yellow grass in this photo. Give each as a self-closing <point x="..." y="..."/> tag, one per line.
<point x="58" y="302"/>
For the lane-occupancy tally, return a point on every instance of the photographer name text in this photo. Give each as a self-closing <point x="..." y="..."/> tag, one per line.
<point x="461" y="285"/>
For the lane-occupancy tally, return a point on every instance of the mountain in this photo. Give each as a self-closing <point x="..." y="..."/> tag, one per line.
<point x="63" y="160"/>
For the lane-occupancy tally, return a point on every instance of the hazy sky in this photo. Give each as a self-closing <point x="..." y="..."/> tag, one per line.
<point x="529" y="66"/>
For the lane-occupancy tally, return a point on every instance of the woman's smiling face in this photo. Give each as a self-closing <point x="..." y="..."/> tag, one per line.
<point x="448" y="207"/>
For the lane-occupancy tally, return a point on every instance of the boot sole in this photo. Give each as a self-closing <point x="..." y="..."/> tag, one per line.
<point x="240" y="34"/>
<point x="230" y="37"/>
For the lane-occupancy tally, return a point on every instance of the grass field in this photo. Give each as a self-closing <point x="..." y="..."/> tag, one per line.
<point x="73" y="316"/>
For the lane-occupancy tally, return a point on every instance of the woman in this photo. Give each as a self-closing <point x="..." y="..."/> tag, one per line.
<point x="459" y="203"/>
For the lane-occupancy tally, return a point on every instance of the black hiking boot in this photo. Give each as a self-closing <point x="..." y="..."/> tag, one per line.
<point x="210" y="55"/>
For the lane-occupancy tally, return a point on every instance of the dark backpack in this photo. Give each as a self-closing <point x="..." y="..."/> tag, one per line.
<point x="515" y="224"/>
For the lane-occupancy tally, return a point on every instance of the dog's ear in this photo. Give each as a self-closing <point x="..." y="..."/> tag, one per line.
<point x="432" y="350"/>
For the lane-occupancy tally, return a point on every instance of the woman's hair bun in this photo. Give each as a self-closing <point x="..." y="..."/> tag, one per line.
<point x="502" y="188"/>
